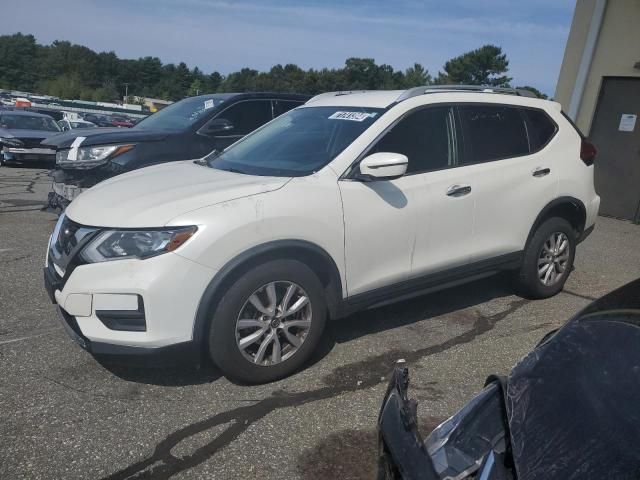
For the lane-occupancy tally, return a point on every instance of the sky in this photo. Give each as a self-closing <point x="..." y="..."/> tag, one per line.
<point x="226" y="35"/>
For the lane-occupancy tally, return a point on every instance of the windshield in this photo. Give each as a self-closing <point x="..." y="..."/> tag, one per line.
<point x="182" y="114"/>
<point x="297" y="143"/>
<point x="28" y="122"/>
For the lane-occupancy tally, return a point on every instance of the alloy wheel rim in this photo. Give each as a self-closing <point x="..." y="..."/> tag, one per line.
<point x="273" y="323"/>
<point x="553" y="258"/>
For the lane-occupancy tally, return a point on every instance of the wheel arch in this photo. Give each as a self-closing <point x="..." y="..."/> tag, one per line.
<point x="569" y="208"/>
<point x="312" y="255"/>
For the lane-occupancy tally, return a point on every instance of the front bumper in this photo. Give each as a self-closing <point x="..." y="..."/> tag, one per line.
<point x="185" y="352"/>
<point x="67" y="193"/>
<point x="68" y="183"/>
<point x="22" y="155"/>
<point x="130" y="307"/>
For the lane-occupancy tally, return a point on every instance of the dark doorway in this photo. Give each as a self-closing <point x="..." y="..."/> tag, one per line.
<point x="617" y="174"/>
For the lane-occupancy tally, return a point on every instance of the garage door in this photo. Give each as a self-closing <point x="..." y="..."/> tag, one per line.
<point x="616" y="134"/>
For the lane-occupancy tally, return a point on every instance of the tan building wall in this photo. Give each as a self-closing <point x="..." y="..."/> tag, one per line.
<point x="617" y="51"/>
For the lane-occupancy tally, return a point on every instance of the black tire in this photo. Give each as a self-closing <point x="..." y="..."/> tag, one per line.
<point x="527" y="278"/>
<point x="223" y="347"/>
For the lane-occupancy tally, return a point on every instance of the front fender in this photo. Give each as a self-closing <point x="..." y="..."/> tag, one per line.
<point x="306" y="209"/>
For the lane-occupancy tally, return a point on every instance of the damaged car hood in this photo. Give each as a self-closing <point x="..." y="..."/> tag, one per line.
<point x="104" y="136"/>
<point x="152" y="196"/>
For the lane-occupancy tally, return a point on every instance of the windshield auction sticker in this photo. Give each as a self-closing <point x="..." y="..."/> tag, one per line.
<point x="352" y="116"/>
<point x="208" y="104"/>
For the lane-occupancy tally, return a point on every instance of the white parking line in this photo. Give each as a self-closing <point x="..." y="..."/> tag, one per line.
<point x="4" y="342"/>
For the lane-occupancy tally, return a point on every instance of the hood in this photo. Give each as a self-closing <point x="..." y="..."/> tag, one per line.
<point x="21" y="133"/>
<point x="103" y="136"/>
<point x="152" y="196"/>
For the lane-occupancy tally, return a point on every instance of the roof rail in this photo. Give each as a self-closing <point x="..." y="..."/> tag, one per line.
<point x="414" y="92"/>
<point x="335" y="94"/>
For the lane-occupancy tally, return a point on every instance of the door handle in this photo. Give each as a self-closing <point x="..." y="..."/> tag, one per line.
<point x="541" y="172"/>
<point x="458" y="190"/>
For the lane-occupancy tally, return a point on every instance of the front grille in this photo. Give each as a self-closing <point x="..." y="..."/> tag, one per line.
<point x="32" y="142"/>
<point x="67" y="241"/>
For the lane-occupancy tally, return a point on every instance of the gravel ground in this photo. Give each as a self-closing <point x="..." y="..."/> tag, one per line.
<point x="65" y="415"/>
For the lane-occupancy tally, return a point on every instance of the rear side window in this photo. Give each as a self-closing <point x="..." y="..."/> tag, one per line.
<point x="425" y="137"/>
<point x="493" y="132"/>
<point x="540" y="127"/>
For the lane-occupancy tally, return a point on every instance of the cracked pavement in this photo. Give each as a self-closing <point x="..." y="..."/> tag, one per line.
<point x="65" y="415"/>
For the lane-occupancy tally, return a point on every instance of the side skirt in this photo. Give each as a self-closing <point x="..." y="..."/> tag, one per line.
<point x="429" y="283"/>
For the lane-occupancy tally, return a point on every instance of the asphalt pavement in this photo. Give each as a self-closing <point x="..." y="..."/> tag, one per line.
<point x="65" y="415"/>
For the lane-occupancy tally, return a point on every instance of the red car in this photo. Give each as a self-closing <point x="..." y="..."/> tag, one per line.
<point x="120" y="121"/>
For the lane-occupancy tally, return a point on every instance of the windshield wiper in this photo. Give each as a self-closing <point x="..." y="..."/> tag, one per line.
<point x="205" y="163"/>
<point x="205" y="160"/>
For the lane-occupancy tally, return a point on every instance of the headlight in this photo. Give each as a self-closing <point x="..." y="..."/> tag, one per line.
<point x="11" y="142"/>
<point x="91" y="156"/>
<point x="117" y="244"/>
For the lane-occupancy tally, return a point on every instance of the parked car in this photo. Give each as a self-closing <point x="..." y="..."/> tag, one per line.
<point x="21" y="134"/>
<point x="66" y="125"/>
<point x="187" y="129"/>
<point x="121" y="121"/>
<point x="72" y="116"/>
<point x="55" y="114"/>
<point x="97" y="119"/>
<point x="348" y="202"/>
<point x="6" y="98"/>
<point x="567" y="411"/>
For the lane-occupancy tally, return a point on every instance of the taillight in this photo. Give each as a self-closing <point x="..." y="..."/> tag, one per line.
<point x="587" y="152"/>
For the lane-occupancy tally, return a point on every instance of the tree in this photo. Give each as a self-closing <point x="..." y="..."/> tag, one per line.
<point x="242" y="81"/>
<point x="483" y="66"/>
<point x="362" y="73"/>
<point x="214" y="80"/>
<point x="67" y="86"/>
<point x="196" y="88"/>
<point x="73" y="71"/>
<point x="17" y="61"/>
<point x="106" y="93"/>
<point x="416" y="76"/>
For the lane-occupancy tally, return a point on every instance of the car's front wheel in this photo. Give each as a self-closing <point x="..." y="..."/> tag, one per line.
<point x="269" y="322"/>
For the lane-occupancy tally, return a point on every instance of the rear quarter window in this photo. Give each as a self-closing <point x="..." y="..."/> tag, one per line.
<point x="493" y="132"/>
<point x="540" y="127"/>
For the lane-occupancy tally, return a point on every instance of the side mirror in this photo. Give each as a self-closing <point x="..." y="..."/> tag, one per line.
<point x="383" y="166"/>
<point x="217" y="126"/>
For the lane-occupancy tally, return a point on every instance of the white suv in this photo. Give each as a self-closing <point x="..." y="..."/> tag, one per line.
<point x="353" y="200"/>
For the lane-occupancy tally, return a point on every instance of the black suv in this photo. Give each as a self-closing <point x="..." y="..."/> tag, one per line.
<point x="188" y="129"/>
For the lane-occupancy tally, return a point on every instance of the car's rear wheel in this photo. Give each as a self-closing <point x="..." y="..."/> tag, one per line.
<point x="548" y="259"/>
<point x="269" y="322"/>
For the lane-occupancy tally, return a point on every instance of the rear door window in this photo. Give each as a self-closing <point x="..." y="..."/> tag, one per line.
<point x="246" y="116"/>
<point x="540" y="127"/>
<point x="493" y="132"/>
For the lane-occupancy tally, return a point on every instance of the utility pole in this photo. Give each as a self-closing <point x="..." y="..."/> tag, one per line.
<point x="126" y="92"/>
